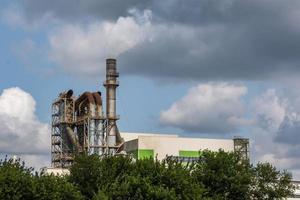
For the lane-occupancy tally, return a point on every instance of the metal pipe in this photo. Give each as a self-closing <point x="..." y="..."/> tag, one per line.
<point x="82" y="98"/>
<point x="66" y="94"/>
<point x="111" y="84"/>
<point x="72" y="139"/>
<point x="98" y="101"/>
<point x="99" y="135"/>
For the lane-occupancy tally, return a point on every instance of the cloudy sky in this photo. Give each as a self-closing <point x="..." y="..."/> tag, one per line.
<point x="197" y="68"/>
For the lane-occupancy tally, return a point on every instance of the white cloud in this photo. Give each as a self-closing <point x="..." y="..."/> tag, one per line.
<point x="21" y="132"/>
<point x="36" y="161"/>
<point x="83" y="49"/>
<point x="210" y="108"/>
<point x="275" y="133"/>
<point x="272" y="121"/>
<point x="270" y="110"/>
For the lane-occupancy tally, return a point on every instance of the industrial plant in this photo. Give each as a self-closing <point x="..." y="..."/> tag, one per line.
<point x="80" y="125"/>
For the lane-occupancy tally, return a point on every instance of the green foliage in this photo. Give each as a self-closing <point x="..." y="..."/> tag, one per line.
<point x="17" y="182"/>
<point x="85" y="174"/>
<point x="216" y="176"/>
<point x="55" y="188"/>
<point x="100" y="196"/>
<point x="224" y="175"/>
<point x="121" y="178"/>
<point x="269" y="183"/>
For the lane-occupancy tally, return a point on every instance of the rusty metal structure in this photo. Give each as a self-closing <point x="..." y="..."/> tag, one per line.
<point x="80" y="126"/>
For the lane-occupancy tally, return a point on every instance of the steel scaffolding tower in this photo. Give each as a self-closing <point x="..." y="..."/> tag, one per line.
<point x="241" y="145"/>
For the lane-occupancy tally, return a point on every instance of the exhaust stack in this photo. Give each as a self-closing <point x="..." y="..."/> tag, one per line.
<point x="111" y="85"/>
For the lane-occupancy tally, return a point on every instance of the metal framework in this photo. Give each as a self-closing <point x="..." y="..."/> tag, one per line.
<point x="62" y="117"/>
<point x="241" y="145"/>
<point x="79" y="125"/>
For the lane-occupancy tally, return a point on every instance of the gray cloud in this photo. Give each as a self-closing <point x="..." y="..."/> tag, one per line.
<point x="202" y="40"/>
<point x="249" y="50"/>
<point x="73" y="10"/>
<point x="289" y="132"/>
<point x="204" y="12"/>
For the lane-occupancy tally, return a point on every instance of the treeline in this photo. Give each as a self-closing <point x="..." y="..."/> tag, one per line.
<point x="215" y="176"/>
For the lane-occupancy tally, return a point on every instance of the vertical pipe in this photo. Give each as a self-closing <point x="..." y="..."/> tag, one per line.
<point x="98" y="138"/>
<point x="111" y="84"/>
<point x="92" y="130"/>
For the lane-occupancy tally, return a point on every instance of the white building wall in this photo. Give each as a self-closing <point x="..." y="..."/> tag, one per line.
<point x="297" y="191"/>
<point x="164" y="146"/>
<point x="54" y="171"/>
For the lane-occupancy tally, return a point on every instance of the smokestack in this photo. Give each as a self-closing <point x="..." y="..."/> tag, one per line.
<point x="111" y="85"/>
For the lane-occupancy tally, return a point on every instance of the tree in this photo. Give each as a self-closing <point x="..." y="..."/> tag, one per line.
<point x="92" y="173"/>
<point x="18" y="182"/>
<point x="224" y="175"/>
<point x="51" y="187"/>
<point x="228" y="176"/>
<point x="122" y="178"/>
<point x="169" y="177"/>
<point x="15" y="180"/>
<point x="215" y="176"/>
<point x="84" y="173"/>
<point x="269" y="183"/>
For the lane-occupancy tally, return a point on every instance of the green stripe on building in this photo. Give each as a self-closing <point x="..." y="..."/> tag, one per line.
<point x="145" y="153"/>
<point x="185" y="153"/>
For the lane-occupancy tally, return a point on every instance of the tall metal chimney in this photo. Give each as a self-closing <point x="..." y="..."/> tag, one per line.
<point x="111" y="85"/>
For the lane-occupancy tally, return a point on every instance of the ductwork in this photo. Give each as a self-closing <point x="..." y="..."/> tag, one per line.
<point x="98" y="101"/>
<point x="89" y="102"/>
<point x="73" y="140"/>
<point x="97" y="98"/>
<point x="66" y="94"/>
<point x="84" y="103"/>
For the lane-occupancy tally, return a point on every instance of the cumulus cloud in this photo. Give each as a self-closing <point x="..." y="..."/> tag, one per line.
<point x="275" y="114"/>
<point x="21" y="131"/>
<point x="269" y="110"/>
<point x="272" y="122"/>
<point x="83" y="49"/>
<point x="274" y="133"/>
<point x="208" y="108"/>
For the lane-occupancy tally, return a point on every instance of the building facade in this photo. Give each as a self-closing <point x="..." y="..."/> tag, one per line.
<point x="141" y="145"/>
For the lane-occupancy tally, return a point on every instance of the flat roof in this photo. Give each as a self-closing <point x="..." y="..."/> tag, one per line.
<point x="127" y="136"/>
<point x="131" y="136"/>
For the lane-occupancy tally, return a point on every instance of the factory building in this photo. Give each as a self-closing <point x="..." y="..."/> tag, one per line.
<point x="80" y="125"/>
<point x="141" y="145"/>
